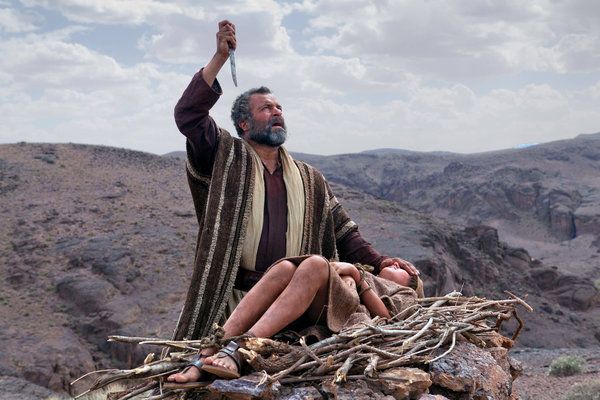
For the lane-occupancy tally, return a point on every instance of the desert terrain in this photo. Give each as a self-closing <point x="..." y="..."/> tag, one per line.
<point x="98" y="241"/>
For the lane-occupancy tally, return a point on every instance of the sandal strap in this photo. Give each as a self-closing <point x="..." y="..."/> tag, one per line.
<point x="231" y="351"/>
<point x="197" y="361"/>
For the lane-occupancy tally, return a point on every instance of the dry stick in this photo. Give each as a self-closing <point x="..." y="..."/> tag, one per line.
<point x="420" y="333"/>
<point x="185" y="386"/>
<point x="342" y="372"/>
<point x="487" y="314"/>
<point x="175" y="345"/>
<point x="438" y="344"/>
<point x="92" y="373"/>
<point x="435" y="324"/>
<point x="447" y="351"/>
<point x="309" y="351"/>
<point x="390" y="332"/>
<point x="161" y="396"/>
<point x="134" y="393"/>
<point x="327" y="377"/>
<point x="133" y="339"/>
<point x="520" y="301"/>
<point x="285" y="372"/>
<point x="401" y="315"/>
<point x="521" y="324"/>
<point x="387" y="354"/>
<point x="371" y="368"/>
<point x="350" y="351"/>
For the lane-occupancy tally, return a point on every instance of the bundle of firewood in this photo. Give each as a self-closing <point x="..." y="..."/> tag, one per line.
<point x="418" y="336"/>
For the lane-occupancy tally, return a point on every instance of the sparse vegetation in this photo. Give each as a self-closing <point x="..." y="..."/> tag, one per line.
<point x="589" y="390"/>
<point x="597" y="283"/>
<point x="567" y="366"/>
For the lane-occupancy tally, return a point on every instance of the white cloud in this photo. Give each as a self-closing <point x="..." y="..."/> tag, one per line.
<point x="12" y="21"/>
<point x="108" y="11"/>
<point x="463" y="39"/>
<point x="411" y="74"/>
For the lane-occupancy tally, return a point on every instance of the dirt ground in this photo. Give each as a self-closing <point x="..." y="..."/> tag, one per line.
<point x="537" y="384"/>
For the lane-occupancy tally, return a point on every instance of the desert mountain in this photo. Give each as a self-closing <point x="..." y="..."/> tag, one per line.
<point x="545" y="197"/>
<point x="98" y="241"/>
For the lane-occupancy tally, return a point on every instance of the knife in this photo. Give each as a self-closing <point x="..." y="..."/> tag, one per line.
<point x="232" y="64"/>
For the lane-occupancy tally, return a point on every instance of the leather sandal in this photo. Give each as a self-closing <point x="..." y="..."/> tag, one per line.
<point x="198" y="363"/>
<point x="228" y="351"/>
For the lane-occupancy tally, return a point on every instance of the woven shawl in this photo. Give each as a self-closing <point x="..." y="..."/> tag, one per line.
<point x="223" y="202"/>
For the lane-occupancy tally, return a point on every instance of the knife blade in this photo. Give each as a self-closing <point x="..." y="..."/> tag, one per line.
<point x="232" y="65"/>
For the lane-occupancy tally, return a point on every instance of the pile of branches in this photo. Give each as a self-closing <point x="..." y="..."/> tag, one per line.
<point x="416" y="337"/>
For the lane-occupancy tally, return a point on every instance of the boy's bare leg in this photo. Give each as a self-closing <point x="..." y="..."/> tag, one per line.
<point x="306" y="293"/>
<point x="253" y="305"/>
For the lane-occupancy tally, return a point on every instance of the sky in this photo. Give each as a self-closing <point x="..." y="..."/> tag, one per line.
<point x="352" y="75"/>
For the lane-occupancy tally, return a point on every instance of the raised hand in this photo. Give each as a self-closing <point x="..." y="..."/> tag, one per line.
<point x="226" y="38"/>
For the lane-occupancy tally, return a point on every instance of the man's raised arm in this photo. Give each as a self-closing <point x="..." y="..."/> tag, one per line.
<point x="191" y="111"/>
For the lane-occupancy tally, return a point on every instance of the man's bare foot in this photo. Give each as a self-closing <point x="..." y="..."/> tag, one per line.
<point x="191" y="373"/>
<point x="225" y="364"/>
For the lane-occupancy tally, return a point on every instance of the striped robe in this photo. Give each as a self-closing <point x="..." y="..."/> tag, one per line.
<point x="223" y="202"/>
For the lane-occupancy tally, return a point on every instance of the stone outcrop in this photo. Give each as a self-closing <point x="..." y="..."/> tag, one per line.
<point x="546" y="193"/>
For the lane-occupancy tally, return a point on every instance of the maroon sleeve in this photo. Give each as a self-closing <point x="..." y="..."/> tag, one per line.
<point x="353" y="248"/>
<point x="192" y="119"/>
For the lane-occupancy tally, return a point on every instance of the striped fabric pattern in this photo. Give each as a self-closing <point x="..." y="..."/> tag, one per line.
<point x="223" y="203"/>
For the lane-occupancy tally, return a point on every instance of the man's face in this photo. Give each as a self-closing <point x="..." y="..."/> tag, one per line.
<point x="267" y="125"/>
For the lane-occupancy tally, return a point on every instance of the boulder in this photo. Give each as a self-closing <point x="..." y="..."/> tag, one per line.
<point x="471" y="372"/>
<point x="562" y="223"/>
<point x="403" y="383"/>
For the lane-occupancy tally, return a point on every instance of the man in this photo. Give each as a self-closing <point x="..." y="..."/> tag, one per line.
<point x="254" y="203"/>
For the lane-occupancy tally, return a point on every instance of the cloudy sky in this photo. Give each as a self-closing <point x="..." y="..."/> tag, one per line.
<point x="352" y="75"/>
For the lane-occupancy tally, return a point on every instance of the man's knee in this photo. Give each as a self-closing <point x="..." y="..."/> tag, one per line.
<point x="315" y="266"/>
<point x="283" y="269"/>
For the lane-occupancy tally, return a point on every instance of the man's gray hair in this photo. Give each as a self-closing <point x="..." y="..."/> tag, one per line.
<point x="240" y="111"/>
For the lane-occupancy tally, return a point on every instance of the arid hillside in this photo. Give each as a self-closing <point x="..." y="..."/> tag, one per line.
<point x="545" y="198"/>
<point x="98" y="241"/>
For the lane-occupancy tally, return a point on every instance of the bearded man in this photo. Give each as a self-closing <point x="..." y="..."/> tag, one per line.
<point x="254" y="203"/>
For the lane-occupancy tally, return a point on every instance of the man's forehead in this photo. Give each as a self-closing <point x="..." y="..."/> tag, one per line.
<point x="258" y="99"/>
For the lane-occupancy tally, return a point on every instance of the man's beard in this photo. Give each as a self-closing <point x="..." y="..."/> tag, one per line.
<point x="267" y="135"/>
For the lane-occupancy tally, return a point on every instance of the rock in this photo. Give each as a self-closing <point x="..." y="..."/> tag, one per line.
<point x="404" y="382"/>
<point x="521" y="196"/>
<point x="245" y="388"/>
<point x="486" y="237"/>
<point x="433" y="397"/>
<point x="301" y="393"/>
<point x="576" y="293"/>
<point x="562" y="222"/>
<point x="518" y="258"/>
<point x="470" y="371"/>
<point x="352" y="390"/>
<point x="184" y="213"/>
<point x="545" y="278"/>
<point x="12" y="388"/>
<point x="87" y="292"/>
<point x="587" y="220"/>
